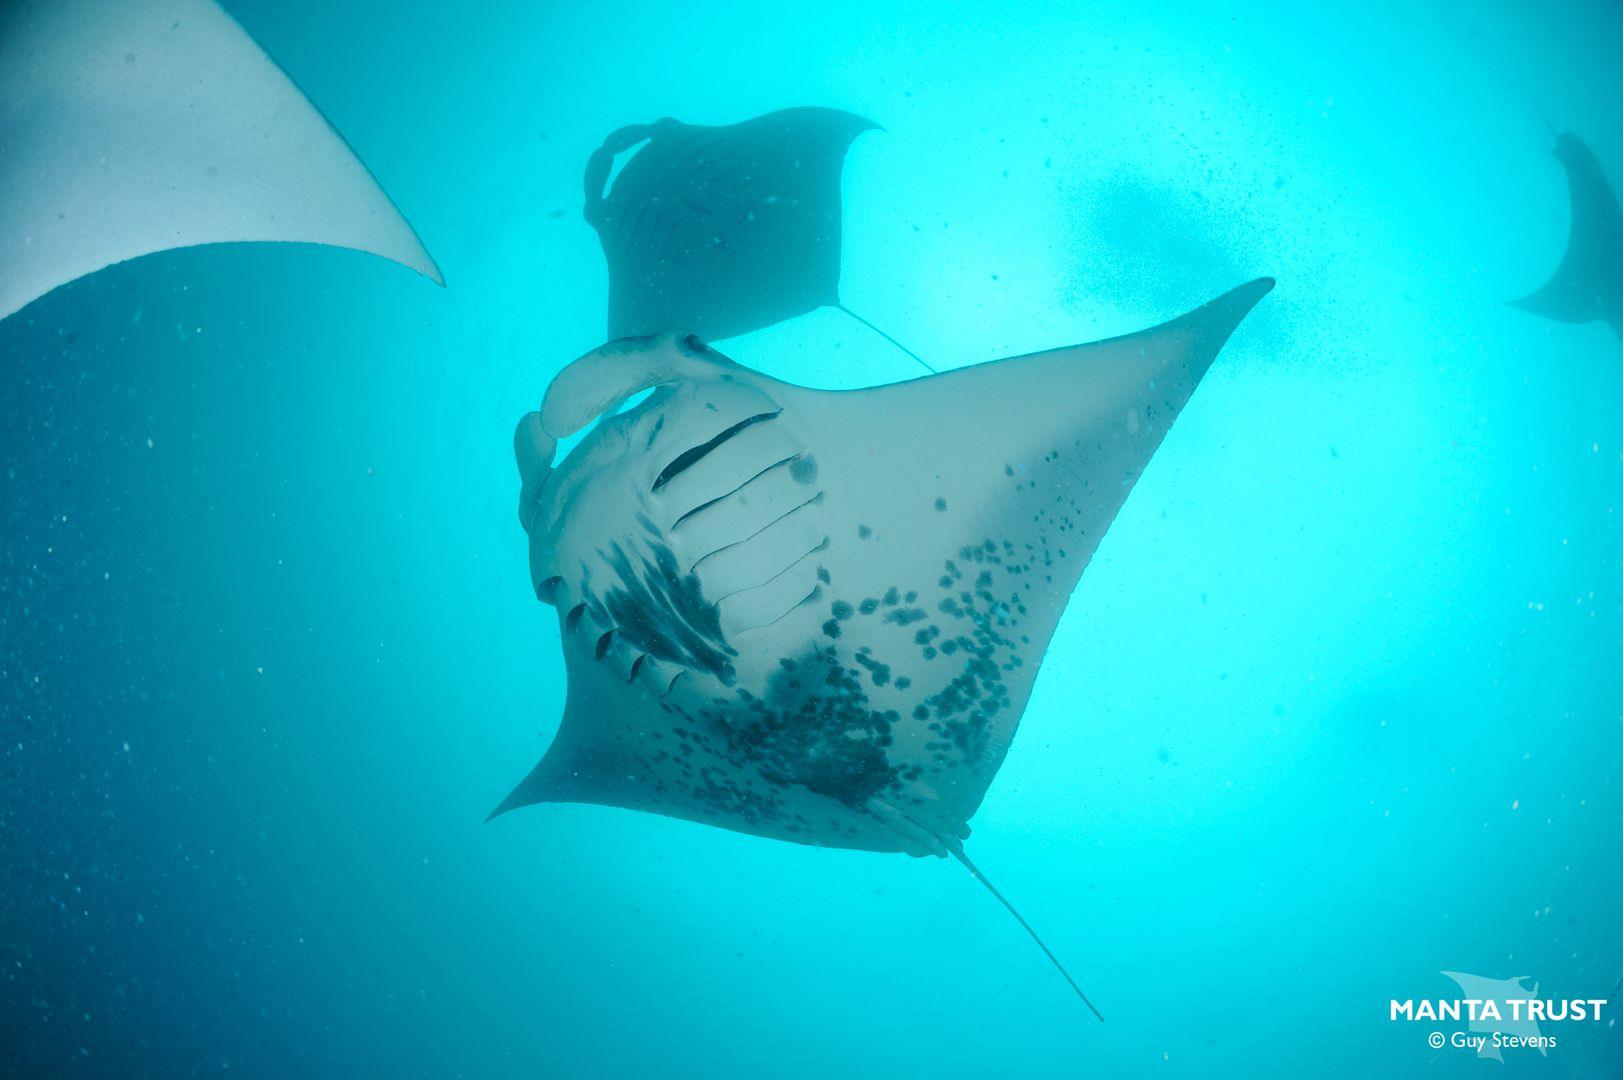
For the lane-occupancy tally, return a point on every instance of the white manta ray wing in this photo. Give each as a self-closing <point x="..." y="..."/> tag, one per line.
<point x="143" y="125"/>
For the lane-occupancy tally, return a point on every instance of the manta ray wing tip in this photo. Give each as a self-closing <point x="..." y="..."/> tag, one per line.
<point x="1257" y="287"/>
<point x="1240" y="299"/>
<point x="527" y="793"/>
<point x="513" y="801"/>
<point x="1217" y="318"/>
<point x="418" y="257"/>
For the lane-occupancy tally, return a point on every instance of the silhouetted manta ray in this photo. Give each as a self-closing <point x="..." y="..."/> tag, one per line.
<point x="1588" y="285"/>
<point x="723" y="230"/>
<point x="143" y="125"/>
<point x="817" y="616"/>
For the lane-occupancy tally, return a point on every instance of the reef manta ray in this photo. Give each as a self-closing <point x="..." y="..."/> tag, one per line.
<point x="723" y="230"/>
<point x="144" y="125"/>
<point x="1588" y="285"/>
<point x="817" y="616"/>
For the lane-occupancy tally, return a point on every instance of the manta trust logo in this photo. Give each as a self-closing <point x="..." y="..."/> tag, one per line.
<point x="1498" y="1014"/>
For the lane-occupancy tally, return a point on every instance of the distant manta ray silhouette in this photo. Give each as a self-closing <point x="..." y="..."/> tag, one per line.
<point x="144" y="125"/>
<point x="1588" y="285"/>
<point x="723" y="230"/>
<point x="817" y="616"/>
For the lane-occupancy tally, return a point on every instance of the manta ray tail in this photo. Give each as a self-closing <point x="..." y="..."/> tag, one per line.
<point x="957" y="850"/>
<point x="888" y="338"/>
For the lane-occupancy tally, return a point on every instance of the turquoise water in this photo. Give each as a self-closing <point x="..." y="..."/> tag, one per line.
<point x="1335" y="707"/>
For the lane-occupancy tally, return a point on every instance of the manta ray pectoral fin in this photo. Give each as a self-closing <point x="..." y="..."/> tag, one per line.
<point x="527" y="793"/>
<point x="1588" y="283"/>
<point x="574" y="769"/>
<point x="146" y="125"/>
<point x="988" y="488"/>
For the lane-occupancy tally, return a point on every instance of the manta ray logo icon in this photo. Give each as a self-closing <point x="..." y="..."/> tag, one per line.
<point x="1507" y="1021"/>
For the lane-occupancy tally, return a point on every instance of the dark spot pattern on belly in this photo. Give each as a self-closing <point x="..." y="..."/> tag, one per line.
<point x="663" y="612"/>
<point x="814" y="726"/>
